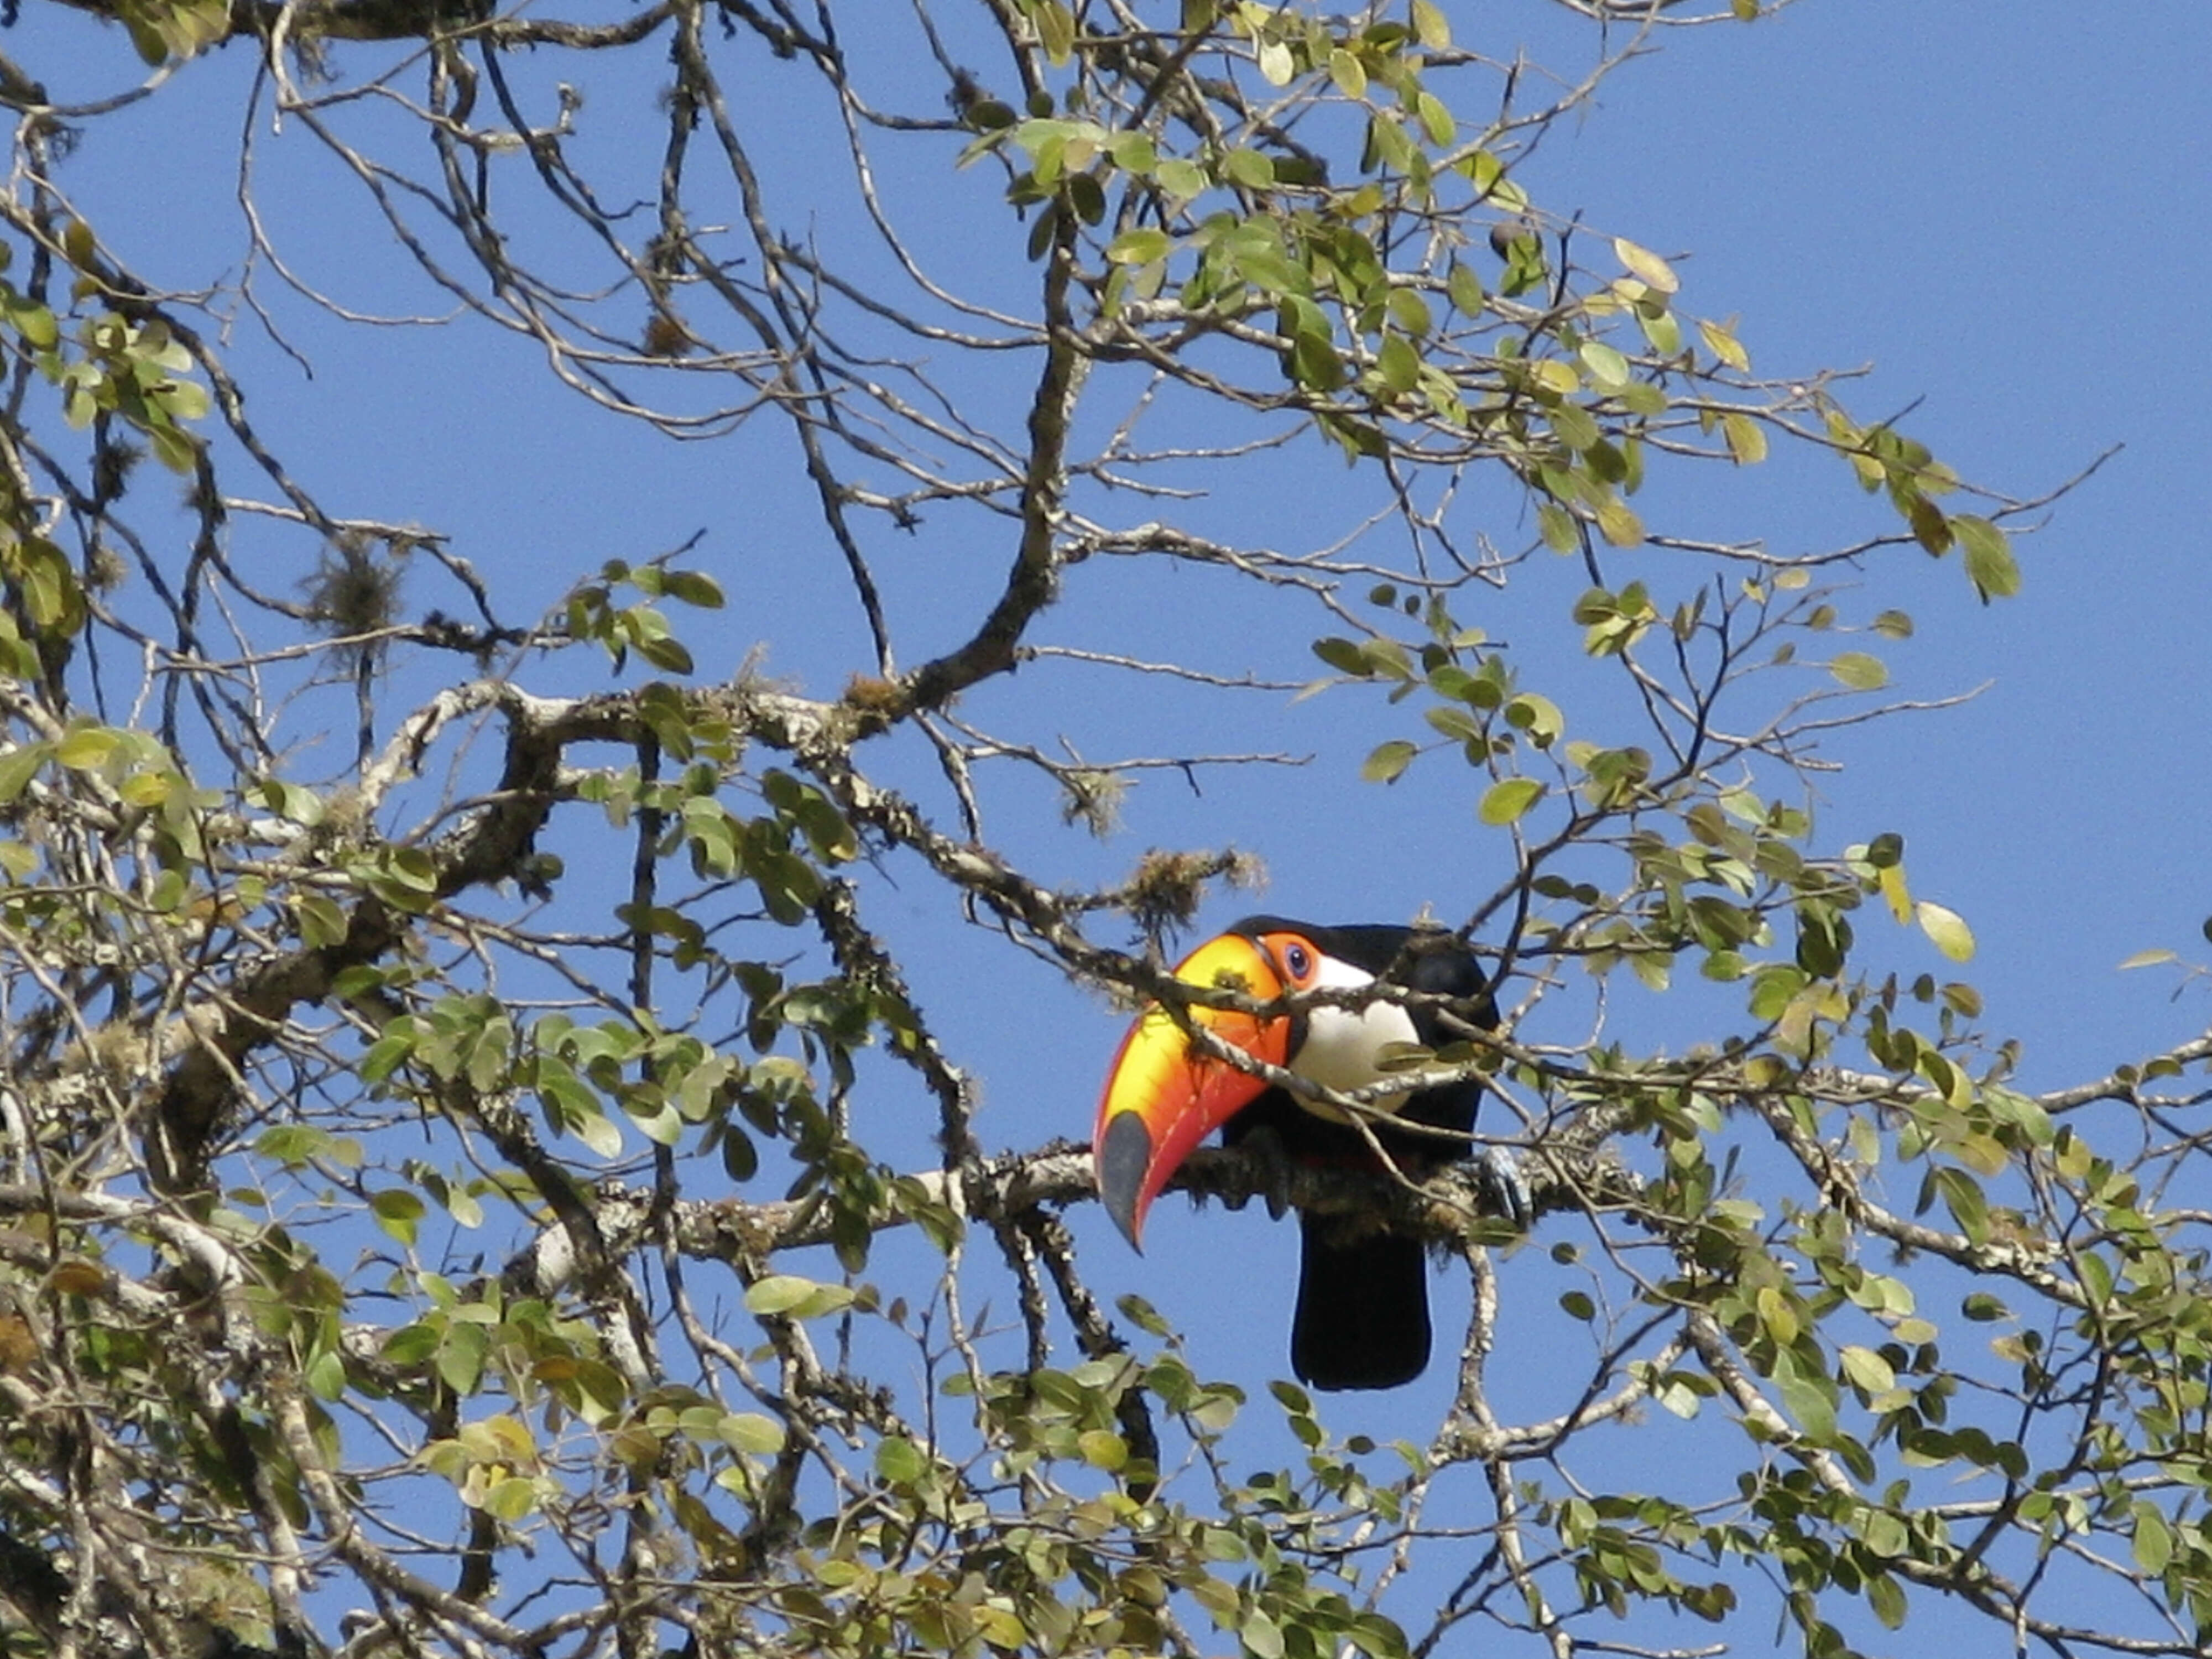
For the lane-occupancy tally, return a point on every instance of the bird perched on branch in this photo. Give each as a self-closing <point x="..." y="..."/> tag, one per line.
<point x="1362" y="1308"/>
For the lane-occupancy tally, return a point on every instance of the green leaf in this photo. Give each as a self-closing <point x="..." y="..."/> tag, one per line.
<point x="1606" y="364"/>
<point x="1506" y="802"/>
<point x="750" y="1431"/>
<point x="1055" y="27"/>
<point x="1103" y="1449"/>
<point x="1990" y="562"/>
<point x="1931" y="527"/>
<point x="512" y="1498"/>
<point x="461" y="1356"/>
<point x="1181" y="179"/>
<point x="1859" y="671"/>
<point x="1132" y="152"/>
<point x="1454" y="722"/>
<point x="1947" y="929"/>
<point x="1139" y="246"/>
<point x="1720" y="340"/>
<point x="1436" y="118"/>
<point x="695" y="588"/>
<point x="1388" y="760"/>
<point x="1464" y="288"/>
<point x="398" y="1212"/>
<point x="1262" y="1636"/>
<point x="1868" y="1369"/>
<point x="2153" y="1539"/>
<point x="1574" y="426"/>
<point x="899" y="1461"/>
<point x="1537" y="715"/>
<point x="88" y="748"/>
<point x="1398" y="363"/>
<point x="1884" y="1594"/>
<point x="1812" y="1401"/>
<point x="1617" y="523"/>
<point x="597" y="1131"/>
<point x="798" y="1298"/>
<point x="1411" y="313"/>
<point x="19" y="766"/>
<point x="1661" y="331"/>
<point x="1344" y="656"/>
<point x="1430" y="27"/>
<point x="1249" y="168"/>
<point x="1747" y="439"/>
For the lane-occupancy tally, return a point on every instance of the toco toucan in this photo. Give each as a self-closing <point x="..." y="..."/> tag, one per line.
<point x="1363" y="1309"/>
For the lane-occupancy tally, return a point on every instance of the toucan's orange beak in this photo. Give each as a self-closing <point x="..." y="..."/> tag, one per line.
<point x="1164" y="1094"/>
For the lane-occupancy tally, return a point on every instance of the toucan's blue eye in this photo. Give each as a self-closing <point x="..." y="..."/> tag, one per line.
<point x="1298" y="960"/>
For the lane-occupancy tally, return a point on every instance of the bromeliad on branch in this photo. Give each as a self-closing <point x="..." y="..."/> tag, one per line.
<point x="1362" y="1307"/>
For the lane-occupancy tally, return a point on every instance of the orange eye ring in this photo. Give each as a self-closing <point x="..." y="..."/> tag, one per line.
<point x="1298" y="961"/>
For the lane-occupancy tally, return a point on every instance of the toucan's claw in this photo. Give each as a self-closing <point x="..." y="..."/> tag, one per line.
<point x="1504" y="1189"/>
<point x="1271" y="1162"/>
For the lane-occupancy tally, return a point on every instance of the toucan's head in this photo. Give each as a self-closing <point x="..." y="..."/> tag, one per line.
<point x="1166" y="1094"/>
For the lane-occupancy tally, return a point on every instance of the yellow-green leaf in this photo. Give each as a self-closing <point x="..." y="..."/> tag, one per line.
<point x="779" y="1293"/>
<point x="1859" y="671"/>
<point x="1720" y="340"/>
<point x="1777" y="1314"/>
<point x="1139" y="246"/>
<point x="1249" y="168"/>
<point x="1649" y="268"/>
<point x="1465" y="288"/>
<point x="1947" y="930"/>
<point x="1606" y="364"/>
<point x="1868" y="1369"/>
<point x="512" y="1498"/>
<point x="2154" y="1540"/>
<point x="1055" y="27"/>
<point x="1389" y="760"/>
<point x="1552" y="375"/>
<point x="1990" y="562"/>
<point x="1891" y="880"/>
<point x="1507" y="801"/>
<point x="1430" y="27"/>
<point x="1102" y="1448"/>
<point x="1747" y="439"/>
<point x="750" y="1431"/>
<point x="1617" y="523"/>
<point x="88" y="747"/>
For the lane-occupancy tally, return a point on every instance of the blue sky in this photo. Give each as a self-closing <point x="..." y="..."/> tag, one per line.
<point x="2003" y="211"/>
<point x="2002" y="214"/>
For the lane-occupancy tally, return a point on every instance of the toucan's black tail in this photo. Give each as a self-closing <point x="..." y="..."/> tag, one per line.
<point x="1362" y="1317"/>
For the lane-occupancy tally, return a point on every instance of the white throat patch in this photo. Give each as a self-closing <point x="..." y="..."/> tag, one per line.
<point x="1343" y="1045"/>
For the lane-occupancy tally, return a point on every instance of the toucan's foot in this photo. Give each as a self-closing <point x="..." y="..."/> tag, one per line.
<point x="1272" y="1168"/>
<point x="1504" y="1189"/>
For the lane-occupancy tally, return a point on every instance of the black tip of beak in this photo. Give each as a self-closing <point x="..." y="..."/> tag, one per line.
<point x="1124" y="1158"/>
